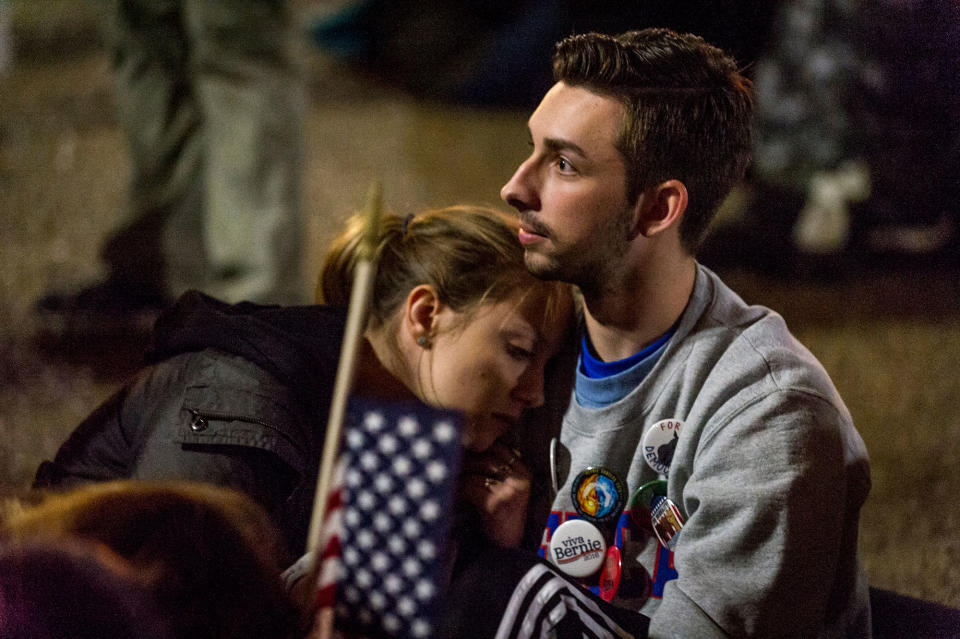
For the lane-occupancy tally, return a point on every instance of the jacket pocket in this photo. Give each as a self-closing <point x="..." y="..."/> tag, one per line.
<point x="240" y="417"/>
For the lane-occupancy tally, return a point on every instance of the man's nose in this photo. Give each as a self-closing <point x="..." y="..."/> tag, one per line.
<point x="520" y="191"/>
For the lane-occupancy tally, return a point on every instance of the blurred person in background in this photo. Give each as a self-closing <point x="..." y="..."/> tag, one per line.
<point x="489" y="52"/>
<point x="212" y="105"/>
<point x="857" y="145"/>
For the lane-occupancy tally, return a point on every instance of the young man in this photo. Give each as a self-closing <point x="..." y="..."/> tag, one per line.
<point x="703" y="443"/>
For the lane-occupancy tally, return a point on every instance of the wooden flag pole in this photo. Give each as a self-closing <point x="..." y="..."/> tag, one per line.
<point x="363" y="278"/>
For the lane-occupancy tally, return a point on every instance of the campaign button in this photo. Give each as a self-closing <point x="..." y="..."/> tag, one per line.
<point x="659" y="444"/>
<point x="610" y="575"/>
<point x="577" y="548"/>
<point x="667" y="521"/>
<point x="643" y="496"/>
<point x="642" y="499"/>
<point x="598" y="495"/>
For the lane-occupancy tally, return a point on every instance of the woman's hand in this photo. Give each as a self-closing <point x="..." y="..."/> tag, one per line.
<point x="497" y="484"/>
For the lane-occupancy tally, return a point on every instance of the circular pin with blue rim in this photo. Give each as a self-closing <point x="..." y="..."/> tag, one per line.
<point x="598" y="495"/>
<point x="578" y="548"/>
<point x="660" y="443"/>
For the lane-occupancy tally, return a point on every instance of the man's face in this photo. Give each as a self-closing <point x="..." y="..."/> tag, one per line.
<point x="575" y="219"/>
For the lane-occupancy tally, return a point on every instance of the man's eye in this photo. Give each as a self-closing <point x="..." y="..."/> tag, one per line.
<point x="563" y="164"/>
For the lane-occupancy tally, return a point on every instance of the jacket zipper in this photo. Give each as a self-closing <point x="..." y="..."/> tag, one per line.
<point x="198" y="421"/>
<point x="198" y="424"/>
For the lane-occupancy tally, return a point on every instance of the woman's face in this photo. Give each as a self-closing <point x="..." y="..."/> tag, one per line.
<point x="490" y="364"/>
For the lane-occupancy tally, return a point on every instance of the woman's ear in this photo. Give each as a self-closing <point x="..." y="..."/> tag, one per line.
<point x="420" y="314"/>
<point x="661" y="207"/>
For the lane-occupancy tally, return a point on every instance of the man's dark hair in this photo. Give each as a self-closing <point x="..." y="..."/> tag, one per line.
<point x="688" y="112"/>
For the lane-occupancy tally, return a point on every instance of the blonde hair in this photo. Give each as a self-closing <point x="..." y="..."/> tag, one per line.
<point x="469" y="254"/>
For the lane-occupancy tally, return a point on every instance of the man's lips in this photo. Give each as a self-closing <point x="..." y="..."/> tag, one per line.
<point x="529" y="234"/>
<point x="526" y="237"/>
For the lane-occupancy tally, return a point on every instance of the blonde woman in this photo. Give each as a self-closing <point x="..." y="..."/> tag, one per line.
<point x="238" y="395"/>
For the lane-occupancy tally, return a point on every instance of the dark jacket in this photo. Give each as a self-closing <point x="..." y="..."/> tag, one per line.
<point x="236" y="395"/>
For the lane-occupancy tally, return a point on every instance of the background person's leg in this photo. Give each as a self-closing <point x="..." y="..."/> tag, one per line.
<point x="251" y="102"/>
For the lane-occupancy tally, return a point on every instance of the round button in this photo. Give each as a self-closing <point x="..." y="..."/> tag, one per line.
<point x="598" y="495"/>
<point x="667" y="521"/>
<point x="610" y="575"/>
<point x="641" y="501"/>
<point x="643" y="496"/>
<point x="577" y="548"/>
<point x="659" y="444"/>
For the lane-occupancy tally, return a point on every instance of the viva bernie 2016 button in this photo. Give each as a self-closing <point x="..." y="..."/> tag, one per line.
<point x="577" y="548"/>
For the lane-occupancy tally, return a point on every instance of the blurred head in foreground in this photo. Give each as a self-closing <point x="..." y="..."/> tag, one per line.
<point x="208" y="556"/>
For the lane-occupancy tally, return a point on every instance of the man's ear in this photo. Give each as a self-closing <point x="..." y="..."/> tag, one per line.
<point x="661" y="207"/>
<point x="420" y="313"/>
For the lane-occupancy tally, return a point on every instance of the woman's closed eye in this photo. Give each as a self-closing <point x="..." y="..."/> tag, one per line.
<point x="519" y="352"/>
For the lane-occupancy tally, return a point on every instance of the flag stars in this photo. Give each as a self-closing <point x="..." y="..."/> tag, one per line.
<point x="444" y="432"/>
<point x="384" y="483"/>
<point x="352" y="518"/>
<point x="408" y="426"/>
<point x="412" y="528"/>
<point x="427" y="549"/>
<point x="393" y="584"/>
<point x="412" y="567"/>
<point x="356" y="439"/>
<point x="425" y="590"/>
<point x="366" y="539"/>
<point x="436" y="471"/>
<point x="351" y="556"/>
<point x="430" y="510"/>
<point x="395" y="486"/>
<point x="354" y="478"/>
<point x="417" y="488"/>
<point x="369" y="460"/>
<point x="406" y="606"/>
<point x="391" y="623"/>
<point x="382" y="522"/>
<point x="397" y="505"/>
<point x="363" y="578"/>
<point x="422" y="448"/>
<point x="388" y="444"/>
<point x="397" y="545"/>
<point x="380" y="561"/>
<point x="374" y="421"/>
<point x="402" y="466"/>
<point x="366" y="500"/>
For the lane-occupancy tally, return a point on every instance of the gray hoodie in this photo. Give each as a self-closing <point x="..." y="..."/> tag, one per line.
<point x="769" y="475"/>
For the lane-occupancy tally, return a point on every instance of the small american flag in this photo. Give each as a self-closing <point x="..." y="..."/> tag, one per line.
<point x="398" y="475"/>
